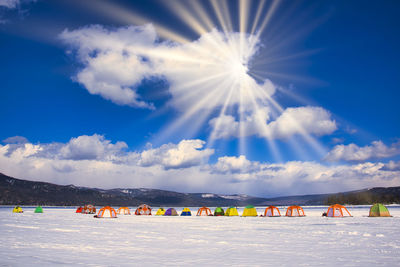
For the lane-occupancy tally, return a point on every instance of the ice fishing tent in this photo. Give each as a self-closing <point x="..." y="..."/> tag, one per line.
<point x="124" y="211"/>
<point x="378" y="210"/>
<point x="160" y="211"/>
<point x="295" y="211"/>
<point x="89" y="209"/>
<point x="337" y="211"/>
<point x="249" y="211"/>
<point x="143" y="210"/>
<point x="171" y="212"/>
<point x="39" y="209"/>
<point x="272" y="211"/>
<point x="231" y="211"/>
<point x="219" y="211"/>
<point x="186" y="212"/>
<point x="106" y="212"/>
<point x="79" y="210"/>
<point x="204" y="211"/>
<point x="18" y="209"/>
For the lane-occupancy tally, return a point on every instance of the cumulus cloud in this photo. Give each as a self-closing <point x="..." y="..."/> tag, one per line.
<point x="93" y="147"/>
<point x="292" y="121"/>
<point x="204" y="75"/>
<point x="352" y="152"/>
<point x="90" y="147"/>
<point x="239" y="164"/>
<point x="313" y="120"/>
<point x="185" y="154"/>
<point x="185" y="167"/>
<point x="391" y="166"/>
<point x="112" y="67"/>
<point x="116" y="61"/>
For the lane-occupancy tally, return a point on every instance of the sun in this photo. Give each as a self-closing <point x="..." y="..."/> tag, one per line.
<point x="213" y="81"/>
<point x="237" y="69"/>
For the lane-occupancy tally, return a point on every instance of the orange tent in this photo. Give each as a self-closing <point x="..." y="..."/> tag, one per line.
<point x="204" y="211"/>
<point x="272" y="211"/>
<point x="337" y="211"/>
<point x="143" y="210"/>
<point x="295" y="211"/>
<point x="89" y="209"/>
<point x="106" y="212"/>
<point x="124" y="211"/>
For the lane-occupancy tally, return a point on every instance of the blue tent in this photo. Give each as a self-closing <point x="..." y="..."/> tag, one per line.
<point x="186" y="212"/>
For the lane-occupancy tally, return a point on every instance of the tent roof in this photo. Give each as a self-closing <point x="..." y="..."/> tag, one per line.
<point x="379" y="206"/>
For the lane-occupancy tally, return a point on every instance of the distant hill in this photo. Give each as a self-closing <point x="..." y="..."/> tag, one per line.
<point x="22" y="192"/>
<point x="387" y="195"/>
<point x="16" y="191"/>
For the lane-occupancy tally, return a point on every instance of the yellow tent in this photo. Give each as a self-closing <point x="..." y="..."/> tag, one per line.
<point x="18" y="209"/>
<point x="250" y="211"/>
<point x="160" y="211"/>
<point x="231" y="211"/>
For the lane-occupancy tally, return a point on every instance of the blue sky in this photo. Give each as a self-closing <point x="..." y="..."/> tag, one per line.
<point x="149" y="94"/>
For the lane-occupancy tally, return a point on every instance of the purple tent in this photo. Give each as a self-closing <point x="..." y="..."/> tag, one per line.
<point x="171" y="212"/>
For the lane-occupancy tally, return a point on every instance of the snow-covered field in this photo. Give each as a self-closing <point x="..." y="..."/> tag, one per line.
<point x="62" y="237"/>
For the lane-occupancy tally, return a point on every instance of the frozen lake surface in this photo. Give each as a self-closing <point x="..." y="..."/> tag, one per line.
<point x="62" y="237"/>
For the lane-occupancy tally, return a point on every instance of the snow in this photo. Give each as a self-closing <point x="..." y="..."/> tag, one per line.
<point x="59" y="236"/>
<point x="237" y="197"/>
<point x="208" y="195"/>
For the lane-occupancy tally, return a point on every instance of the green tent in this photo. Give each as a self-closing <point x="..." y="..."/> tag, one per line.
<point x="219" y="211"/>
<point x="39" y="209"/>
<point x="378" y="210"/>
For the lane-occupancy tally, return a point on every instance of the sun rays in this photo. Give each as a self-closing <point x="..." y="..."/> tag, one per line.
<point x="222" y="75"/>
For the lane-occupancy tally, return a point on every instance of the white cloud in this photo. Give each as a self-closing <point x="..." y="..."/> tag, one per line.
<point x="93" y="147"/>
<point x="312" y="120"/>
<point x="185" y="154"/>
<point x="235" y="165"/>
<point x="225" y="126"/>
<point x="112" y="67"/>
<point x="184" y="167"/>
<point x="391" y="166"/>
<point x="292" y="121"/>
<point x="11" y="4"/>
<point x="90" y="147"/>
<point x="205" y="75"/>
<point x="352" y="152"/>
<point x="116" y="61"/>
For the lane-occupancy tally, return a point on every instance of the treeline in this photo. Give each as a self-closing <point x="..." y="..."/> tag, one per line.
<point x="376" y="195"/>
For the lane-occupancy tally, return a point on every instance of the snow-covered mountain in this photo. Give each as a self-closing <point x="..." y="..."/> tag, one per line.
<point x="22" y="192"/>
